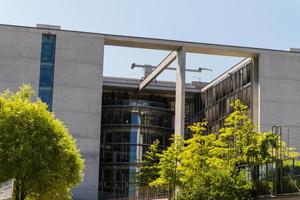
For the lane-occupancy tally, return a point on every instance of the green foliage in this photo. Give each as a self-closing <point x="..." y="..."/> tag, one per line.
<point x="239" y="137"/>
<point x="197" y="152"/>
<point x="216" y="184"/>
<point x="169" y="173"/>
<point x="214" y="166"/>
<point x="36" y="149"/>
<point x="149" y="171"/>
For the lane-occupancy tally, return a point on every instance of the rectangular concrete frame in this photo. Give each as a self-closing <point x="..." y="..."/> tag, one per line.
<point x="78" y="82"/>
<point x="262" y="116"/>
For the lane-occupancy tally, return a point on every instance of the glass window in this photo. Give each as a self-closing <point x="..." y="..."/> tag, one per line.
<point x="46" y="74"/>
<point x="117" y="117"/>
<point x="133" y="153"/>
<point x="231" y="84"/>
<point x="117" y="136"/>
<point x="126" y="117"/>
<point x="135" y="119"/>
<point x="249" y="73"/>
<point x="133" y="136"/>
<point x="108" y="137"/>
<point x="244" y="76"/>
<point x="47" y="55"/>
<point x="47" y="38"/>
<point x="126" y="136"/>
<point x="47" y="69"/>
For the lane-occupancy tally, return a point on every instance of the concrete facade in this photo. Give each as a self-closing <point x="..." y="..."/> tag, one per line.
<point x="20" y="51"/>
<point x="279" y="86"/>
<point x="77" y="99"/>
<point x="77" y="89"/>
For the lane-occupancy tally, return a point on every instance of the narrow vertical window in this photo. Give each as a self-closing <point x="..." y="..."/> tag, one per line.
<point x="47" y="69"/>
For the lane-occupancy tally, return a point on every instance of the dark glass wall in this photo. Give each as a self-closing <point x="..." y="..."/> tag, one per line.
<point x="213" y="104"/>
<point x="47" y="69"/>
<point x="129" y="126"/>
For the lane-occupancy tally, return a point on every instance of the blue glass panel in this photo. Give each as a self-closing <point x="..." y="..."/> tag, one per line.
<point x="47" y="55"/>
<point x="132" y="180"/>
<point x="45" y="94"/>
<point x="133" y="154"/>
<point x="133" y="136"/>
<point x="48" y="38"/>
<point x="46" y="75"/>
<point x="47" y="69"/>
<point x="135" y="120"/>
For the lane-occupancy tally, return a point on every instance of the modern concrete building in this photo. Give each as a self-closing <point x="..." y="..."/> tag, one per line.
<point x="65" y="69"/>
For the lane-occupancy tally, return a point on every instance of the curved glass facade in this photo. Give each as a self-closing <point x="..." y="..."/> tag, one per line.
<point x="129" y="126"/>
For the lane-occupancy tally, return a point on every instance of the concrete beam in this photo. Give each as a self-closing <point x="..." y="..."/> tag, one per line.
<point x="163" y="44"/>
<point x="180" y="91"/>
<point x="173" y="45"/>
<point x="161" y="67"/>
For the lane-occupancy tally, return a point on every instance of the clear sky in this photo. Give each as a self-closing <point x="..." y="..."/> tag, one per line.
<point x="256" y="23"/>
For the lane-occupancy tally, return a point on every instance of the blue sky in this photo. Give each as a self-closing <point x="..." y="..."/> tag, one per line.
<point x="256" y="23"/>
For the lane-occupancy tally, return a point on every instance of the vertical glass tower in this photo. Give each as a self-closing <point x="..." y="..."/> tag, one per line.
<point x="129" y="125"/>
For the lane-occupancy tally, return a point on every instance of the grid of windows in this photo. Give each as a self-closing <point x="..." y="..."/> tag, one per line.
<point x="143" y="116"/>
<point x="213" y="104"/>
<point x="47" y="69"/>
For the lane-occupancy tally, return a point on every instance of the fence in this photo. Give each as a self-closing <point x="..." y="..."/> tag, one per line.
<point x="149" y="193"/>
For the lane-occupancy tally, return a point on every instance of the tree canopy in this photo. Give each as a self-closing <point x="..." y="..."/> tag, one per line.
<point x="150" y="170"/>
<point x="36" y="149"/>
<point x="168" y="165"/>
<point x="220" y="165"/>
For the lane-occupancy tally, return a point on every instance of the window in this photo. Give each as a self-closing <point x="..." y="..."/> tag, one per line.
<point x="47" y="69"/>
<point x="47" y="55"/>
<point x="46" y="74"/>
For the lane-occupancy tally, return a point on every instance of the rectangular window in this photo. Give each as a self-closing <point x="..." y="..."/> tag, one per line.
<point x="47" y="69"/>
<point x="46" y="73"/>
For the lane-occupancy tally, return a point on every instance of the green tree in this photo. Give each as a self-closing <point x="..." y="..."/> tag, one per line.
<point x="246" y="147"/>
<point x="214" y="183"/>
<point x="206" y="174"/>
<point x="149" y="170"/>
<point x="196" y="153"/>
<point x="169" y="173"/>
<point x="215" y="166"/>
<point x="36" y="149"/>
<point x="239" y="136"/>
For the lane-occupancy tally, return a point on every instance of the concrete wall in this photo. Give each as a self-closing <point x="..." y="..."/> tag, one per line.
<point x="279" y="84"/>
<point x="77" y="95"/>
<point x="77" y="99"/>
<point x="20" y="52"/>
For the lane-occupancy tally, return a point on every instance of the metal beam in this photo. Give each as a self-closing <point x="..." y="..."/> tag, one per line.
<point x="161" y="67"/>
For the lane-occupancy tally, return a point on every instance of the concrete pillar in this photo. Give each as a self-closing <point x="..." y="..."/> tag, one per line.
<point x="180" y="91"/>
<point x="255" y="94"/>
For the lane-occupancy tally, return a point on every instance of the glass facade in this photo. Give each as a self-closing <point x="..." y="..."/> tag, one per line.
<point x="129" y="126"/>
<point x="213" y="104"/>
<point x="47" y="69"/>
